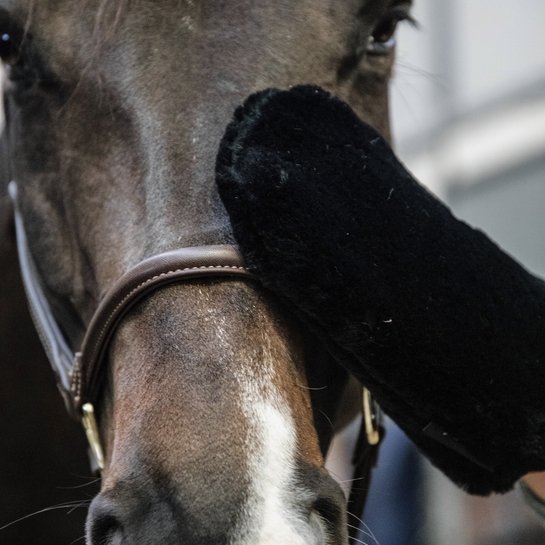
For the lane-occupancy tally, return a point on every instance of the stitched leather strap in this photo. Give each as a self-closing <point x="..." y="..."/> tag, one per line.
<point x="138" y="283"/>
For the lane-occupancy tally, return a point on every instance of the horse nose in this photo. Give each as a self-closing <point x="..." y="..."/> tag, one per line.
<point x="105" y="522"/>
<point x="328" y="511"/>
<point x="128" y="516"/>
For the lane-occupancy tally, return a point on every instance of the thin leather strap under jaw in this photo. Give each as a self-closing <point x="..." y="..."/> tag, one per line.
<point x="56" y="348"/>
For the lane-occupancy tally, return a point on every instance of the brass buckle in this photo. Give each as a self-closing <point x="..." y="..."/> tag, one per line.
<point x="89" y="422"/>
<point x="370" y="418"/>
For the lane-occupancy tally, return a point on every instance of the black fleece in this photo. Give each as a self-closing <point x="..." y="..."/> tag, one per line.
<point x="445" y="329"/>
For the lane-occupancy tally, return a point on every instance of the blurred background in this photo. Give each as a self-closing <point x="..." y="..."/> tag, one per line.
<point x="468" y="111"/>
<point x="468" y="115"/>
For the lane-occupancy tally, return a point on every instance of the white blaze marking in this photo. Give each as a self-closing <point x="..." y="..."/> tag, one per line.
<point x="273" y="514"/>
<point x="271" y="517"/>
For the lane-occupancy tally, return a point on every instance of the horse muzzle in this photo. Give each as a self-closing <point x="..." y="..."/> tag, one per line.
<point x="122" y="517"/>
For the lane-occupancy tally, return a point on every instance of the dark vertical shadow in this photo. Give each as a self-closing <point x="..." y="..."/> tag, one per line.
<point x="42" y="452"/>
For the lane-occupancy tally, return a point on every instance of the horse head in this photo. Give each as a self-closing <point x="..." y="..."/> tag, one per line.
<point x="115" y="111"/>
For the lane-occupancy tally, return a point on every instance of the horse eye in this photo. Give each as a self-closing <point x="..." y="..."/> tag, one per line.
<point x="385" y="30"/>
<point x="11" y="38"/>
<point x="382" y="40"/>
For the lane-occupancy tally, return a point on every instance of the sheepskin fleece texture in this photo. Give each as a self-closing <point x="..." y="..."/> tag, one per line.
<point x="446" y="330"/>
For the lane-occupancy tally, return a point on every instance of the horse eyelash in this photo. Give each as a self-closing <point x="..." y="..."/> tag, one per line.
<point x="403" y="16"/>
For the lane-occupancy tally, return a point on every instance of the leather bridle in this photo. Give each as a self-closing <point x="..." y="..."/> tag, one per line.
<point x="78" y="372"/>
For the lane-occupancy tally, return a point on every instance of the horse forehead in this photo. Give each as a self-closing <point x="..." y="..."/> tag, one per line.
<point x="139" y="34"/>
<point x="102" y="15"/>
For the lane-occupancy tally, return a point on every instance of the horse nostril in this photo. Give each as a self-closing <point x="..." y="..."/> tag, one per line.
<point x="328" y="510"/>
<point x="103" y="525"/>
<point x="106" y="531"/>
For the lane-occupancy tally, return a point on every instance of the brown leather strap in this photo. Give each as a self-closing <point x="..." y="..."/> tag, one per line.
<point x="78" y="372"/>
<point x="146" y="277"/>
<point x="58" y="350"/>
<point x="365" y="455"/>
<point x="364" y="460"/>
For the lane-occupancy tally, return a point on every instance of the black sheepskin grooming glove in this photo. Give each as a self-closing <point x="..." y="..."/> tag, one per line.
<point x="445" y="329"/>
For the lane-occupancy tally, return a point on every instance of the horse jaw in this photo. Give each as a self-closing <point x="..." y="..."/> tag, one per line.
<point x="214" y="439"/>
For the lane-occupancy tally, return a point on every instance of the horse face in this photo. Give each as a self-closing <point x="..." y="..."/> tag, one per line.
<point x="115" y="114"/>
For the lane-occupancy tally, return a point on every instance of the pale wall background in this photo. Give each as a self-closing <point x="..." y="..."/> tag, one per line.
<point x="468" y="102"/>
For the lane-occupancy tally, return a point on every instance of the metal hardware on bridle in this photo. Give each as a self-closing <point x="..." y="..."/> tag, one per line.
<point x="89" y="422"/>
<point x="78" y="372"/>
<point x="364" y="457"/>
<point x="371" y="417"/>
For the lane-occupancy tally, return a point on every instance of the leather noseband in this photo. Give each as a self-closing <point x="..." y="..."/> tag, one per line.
<point x="135" y="285"/>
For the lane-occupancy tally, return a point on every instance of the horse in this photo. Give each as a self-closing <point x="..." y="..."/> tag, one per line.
<point x="215" y="405"/>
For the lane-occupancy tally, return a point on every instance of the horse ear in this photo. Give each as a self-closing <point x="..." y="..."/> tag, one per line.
<point x="442" y="326"/>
